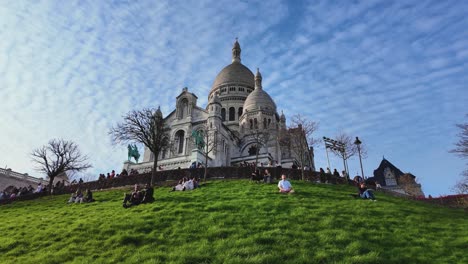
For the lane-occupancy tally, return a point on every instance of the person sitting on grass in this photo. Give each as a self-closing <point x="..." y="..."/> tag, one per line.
<point x="147" y="194"/>
<point x="267" y="177"/>
<point x="365" y="193"/>
<point x="256" y="176"/>
<point x="179" y="186"/>
<point x="188" y="184"/>
<point x="88" y="196"/>
<point x="134" y="198"/>
<point x="196" y="183"/>
<point x="284" y="185"/>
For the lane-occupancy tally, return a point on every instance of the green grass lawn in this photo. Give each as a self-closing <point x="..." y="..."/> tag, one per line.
<point x="234" y="222"/>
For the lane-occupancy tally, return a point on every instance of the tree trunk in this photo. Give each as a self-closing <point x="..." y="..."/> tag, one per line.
<point x="206" y="167"/>
<point x="153" y="173"/>
<point x="302" y="169"/>
<point x="256" y="158"/>
<point x="51" y="184"/>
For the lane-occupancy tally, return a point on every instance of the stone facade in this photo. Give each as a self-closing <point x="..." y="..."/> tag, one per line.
<point x="239" y="111"/>
<point x="393" y="179"/>
<point x="9" y="178"/>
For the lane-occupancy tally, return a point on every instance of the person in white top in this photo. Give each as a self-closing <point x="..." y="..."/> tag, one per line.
<point x="188" y="184"/>
<point x="284" y="185"/>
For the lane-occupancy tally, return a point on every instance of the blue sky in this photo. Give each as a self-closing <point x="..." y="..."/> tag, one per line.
<point x="394" y="73"/>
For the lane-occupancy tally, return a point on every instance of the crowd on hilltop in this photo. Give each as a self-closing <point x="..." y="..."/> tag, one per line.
<point x="260" y="174"/>
<point x="13" y="192"/>
<point x="112" y="174"/>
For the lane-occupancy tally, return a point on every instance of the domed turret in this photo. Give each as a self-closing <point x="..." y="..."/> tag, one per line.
<point x="282" y="117"/>
<point x="259" y="99"/>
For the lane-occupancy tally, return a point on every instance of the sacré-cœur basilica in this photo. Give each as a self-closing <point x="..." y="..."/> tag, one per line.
<point x="238" y="113"/>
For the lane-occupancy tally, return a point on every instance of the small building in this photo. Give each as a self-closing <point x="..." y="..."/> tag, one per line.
<point x="392" y="178"/>
<point x="9" y="178"/>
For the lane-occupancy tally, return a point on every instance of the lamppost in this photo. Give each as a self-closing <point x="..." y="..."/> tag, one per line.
<point x="337" y="146"/>
<point x="358" y="144"/>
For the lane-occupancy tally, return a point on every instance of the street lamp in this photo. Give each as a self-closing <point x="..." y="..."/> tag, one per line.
<point x="358" y="144"/>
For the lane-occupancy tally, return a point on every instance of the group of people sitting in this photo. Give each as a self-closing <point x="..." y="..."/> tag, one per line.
<point x="13" y="192"/>
<point x="138" y="196"/>
<point x="259" y="177"/>
<point x="186" y="184"/>
<point x="79" y="197"/>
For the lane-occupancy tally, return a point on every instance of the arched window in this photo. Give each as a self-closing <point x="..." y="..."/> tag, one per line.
<point x="223" y="114"/>
<point x="183" y="108"/>
<point x="251" y="124"/>
<point x="269" y="122"/>
<point x="239" y="113"/>
<point x="179" y="137"/>
<point x="232" y="114"/>
<point x="255" y="123"/>
<point x="264" y="123"/>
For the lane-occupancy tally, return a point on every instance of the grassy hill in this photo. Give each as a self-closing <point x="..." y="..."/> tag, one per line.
<point x="234" y="222"/>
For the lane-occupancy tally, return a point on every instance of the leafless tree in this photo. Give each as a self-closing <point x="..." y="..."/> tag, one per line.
<point x="461" y="150"/>
<point x="300" y="137"/>
<point x="210" y="143"/>
<point x="145" y="126"/>
<point x="351" y="149"/>
<point x="57" y="157"/>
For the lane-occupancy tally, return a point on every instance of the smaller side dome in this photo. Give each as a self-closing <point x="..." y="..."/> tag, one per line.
<point x="259" y="99"/>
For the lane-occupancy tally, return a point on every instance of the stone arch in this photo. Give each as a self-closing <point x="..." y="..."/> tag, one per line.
<point x="183" y="108"/>
<point x="223" y="114"/>
<point x="179" y="138"/>
<point x="232" y="114"/>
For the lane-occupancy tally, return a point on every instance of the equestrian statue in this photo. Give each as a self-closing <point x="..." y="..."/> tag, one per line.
<point x="133" y="152"/>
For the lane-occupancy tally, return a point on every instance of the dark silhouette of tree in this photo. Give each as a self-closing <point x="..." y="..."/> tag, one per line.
<point x="461" y="150"/>
<point x="350" y="148"/>
<point x="57" y="157"/>
<point x="145" y="126"/>
<point x="300" y="138"/>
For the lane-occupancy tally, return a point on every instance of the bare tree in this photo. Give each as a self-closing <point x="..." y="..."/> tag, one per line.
<point x="300" y="138"/>
<point x="461" y="150"/>
<point x="351" y="149"/>
<point x="57" y="157"/>
<point x="145" y="126"/>
<point x="208" y="145"/>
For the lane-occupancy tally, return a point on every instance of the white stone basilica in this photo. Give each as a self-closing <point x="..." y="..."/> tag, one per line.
<point x="238" y="111"/>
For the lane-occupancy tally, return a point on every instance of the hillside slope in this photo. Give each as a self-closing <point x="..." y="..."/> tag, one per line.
<point x="234" y="222"/>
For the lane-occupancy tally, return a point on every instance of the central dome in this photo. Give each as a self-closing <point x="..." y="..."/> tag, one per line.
<point x="234" y="73"/>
